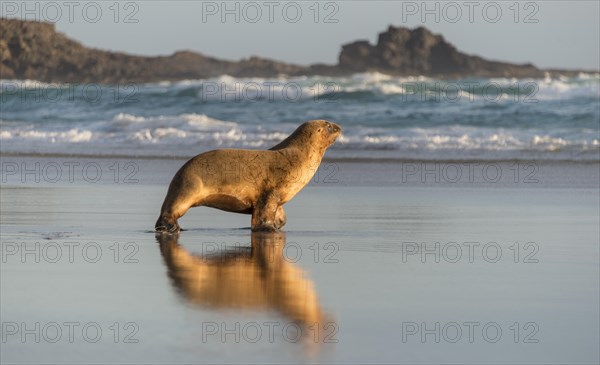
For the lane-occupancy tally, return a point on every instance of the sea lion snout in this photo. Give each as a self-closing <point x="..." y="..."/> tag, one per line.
<point x="334" y="130"/>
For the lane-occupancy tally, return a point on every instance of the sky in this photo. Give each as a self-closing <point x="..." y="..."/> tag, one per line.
<point x="549" y="34"/>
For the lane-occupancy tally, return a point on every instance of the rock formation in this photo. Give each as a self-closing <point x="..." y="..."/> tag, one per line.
<point x="401" y="51"/>
<point x="34" y="50"/>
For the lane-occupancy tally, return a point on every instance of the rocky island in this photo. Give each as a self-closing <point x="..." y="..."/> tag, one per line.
<point x="35" y="50"/>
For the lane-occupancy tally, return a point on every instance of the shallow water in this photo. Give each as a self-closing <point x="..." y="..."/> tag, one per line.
<point x="448" y="273"/>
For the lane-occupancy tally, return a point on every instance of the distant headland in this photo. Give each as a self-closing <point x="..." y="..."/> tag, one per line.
<point x="35" y="50"/>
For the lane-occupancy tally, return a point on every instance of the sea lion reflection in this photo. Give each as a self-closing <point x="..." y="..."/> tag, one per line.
<point x="258" y="278"/>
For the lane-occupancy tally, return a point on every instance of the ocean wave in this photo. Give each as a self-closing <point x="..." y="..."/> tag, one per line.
<point x="228" y="88"/>
<point x="187" y="134"/>
<point x="469" y="139"/>
<point x="9" y="85"/>
<point x="163" y="129"/>
<point x="36" y="136"/>
<point x="190" y="116"/>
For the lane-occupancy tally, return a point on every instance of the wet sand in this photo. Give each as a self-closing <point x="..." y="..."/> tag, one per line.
<point x="380" y="262"/>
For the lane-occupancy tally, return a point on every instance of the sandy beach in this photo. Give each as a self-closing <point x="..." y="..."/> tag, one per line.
<point x="380" y="261"/>
<point x="453" y="216"/>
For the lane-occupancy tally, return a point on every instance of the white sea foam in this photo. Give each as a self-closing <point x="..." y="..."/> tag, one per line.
<point x="72" y="135"/>
<point x="226" y="88"/>
<point x="445" y="142"/>
<point x="8" y="85"/>
<point x="124" y="117"/>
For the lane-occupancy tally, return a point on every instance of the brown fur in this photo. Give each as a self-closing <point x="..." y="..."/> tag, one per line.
<point x="249" y="181"/>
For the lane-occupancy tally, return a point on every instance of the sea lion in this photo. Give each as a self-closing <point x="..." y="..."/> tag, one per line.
<point x="253" y="182"/>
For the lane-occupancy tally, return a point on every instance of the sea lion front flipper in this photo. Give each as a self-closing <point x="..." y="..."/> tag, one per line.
<point x="268" y="214"/>
<point x="280" y="217"/>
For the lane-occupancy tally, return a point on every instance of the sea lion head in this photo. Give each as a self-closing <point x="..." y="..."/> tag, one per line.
<point x="319" y="133"/>
<point x="326" y="130"/>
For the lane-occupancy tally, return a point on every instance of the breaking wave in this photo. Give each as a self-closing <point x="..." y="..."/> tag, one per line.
<point x="382" y="116"/>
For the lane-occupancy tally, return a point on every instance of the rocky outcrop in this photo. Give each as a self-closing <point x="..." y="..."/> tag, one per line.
<point x="401" y="51"/>
<point x="34" y="50"/>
